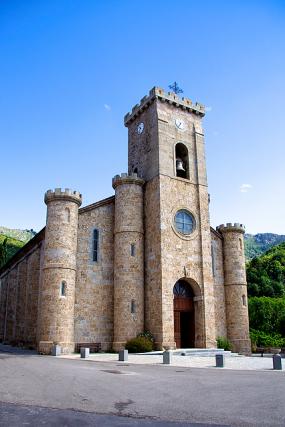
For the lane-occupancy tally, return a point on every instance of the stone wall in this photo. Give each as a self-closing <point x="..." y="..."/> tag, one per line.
<point x="153" y="272"/>
<point x="19" y="293"/>
<point x="186" y="257"/>
<point x="219" y="290"/>
<point x="143" y="151"/>
<point x="94" y="305"/>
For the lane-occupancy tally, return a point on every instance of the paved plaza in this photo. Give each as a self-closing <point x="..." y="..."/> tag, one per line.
<point x="231" y="362"/>
<point x="45" y="390"/>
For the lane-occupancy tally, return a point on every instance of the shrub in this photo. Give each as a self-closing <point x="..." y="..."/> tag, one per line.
<point x="139" y="344"/>
<point x="263" y="339"/>
<point x="148" y="335"/>
<point x="224" y="343"/>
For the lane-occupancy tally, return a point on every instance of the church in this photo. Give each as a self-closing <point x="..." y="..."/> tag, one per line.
<point x="145" y="258"/>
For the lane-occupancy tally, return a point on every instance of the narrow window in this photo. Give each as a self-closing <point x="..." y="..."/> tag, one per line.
<point x="133" y="249"/>
<point x="244" y="300"/>
<point x="63" y="289"/>
<point x="213" y="259"/>
<point x="95" y="244"/>
<point x="133" y="306"/>
<point x="67" y="215"/>
<point x="240" y="244"/>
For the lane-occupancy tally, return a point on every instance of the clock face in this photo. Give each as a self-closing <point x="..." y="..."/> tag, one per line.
<point x="179" y="124"/>
<point x="140" y="128"/>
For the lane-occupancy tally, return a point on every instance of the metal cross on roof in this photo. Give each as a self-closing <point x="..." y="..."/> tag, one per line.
<point x="175" y="88"/>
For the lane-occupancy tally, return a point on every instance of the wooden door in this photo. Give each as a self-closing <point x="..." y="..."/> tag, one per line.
<point x="177" y="333"/>
<point x="184" y="329"/>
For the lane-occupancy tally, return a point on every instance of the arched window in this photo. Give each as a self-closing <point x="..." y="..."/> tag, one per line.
<point x="182" y="289"/>
<point x="63" y="289"/>
<point x="244" y="300"/>
<point x="133" y="306"/>
<point x="133" y="249"/>
<point x="181" y="161"/>
<point x="240" y="244"/>
<point x="95" y="247"/>
<point x="67" y="215"/>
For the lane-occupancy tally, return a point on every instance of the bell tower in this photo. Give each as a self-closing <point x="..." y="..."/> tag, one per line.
<point x="166" y="150"/>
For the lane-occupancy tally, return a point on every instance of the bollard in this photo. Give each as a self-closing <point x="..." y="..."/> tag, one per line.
<point x="167" y="357"/>
<point x="123" y="355"/>
<point x="56" y="350"/>
<point x="84" y="352"/>
<point x="220" y="360"/>
<point x="277" y="362"/>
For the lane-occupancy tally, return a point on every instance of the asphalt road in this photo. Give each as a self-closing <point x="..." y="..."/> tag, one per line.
<point x="33" y="388"/>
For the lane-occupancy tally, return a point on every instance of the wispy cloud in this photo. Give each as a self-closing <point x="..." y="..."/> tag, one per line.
<point x="208" y="108"/>
<point x="107" y="107"/>
<point x="245" y="188"/>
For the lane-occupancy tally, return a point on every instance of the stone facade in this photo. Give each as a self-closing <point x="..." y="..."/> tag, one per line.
<point x="103" y="273"/>
<point x="94" y="293"/>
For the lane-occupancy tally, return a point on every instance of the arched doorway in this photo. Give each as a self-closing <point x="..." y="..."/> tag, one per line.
<point x="184" y="316"/>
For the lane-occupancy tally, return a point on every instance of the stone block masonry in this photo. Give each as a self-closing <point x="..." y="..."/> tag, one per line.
<point x="235" y="287"/>
<point x="59" y="271"/>
<point x="99" y="275"/>
<point x="128" y="259"/>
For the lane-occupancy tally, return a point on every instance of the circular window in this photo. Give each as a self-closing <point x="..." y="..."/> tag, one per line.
<point x="184" y="222"/>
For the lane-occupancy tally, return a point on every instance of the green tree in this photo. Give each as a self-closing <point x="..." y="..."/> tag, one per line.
<point x="266" y="273"/>
<point x="3" y="252"/>
<point x="267" y="315"/>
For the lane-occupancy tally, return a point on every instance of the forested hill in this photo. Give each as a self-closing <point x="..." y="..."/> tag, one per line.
<point x="11" y="240"/>
<point x="23" y="235"/>
<point x="266" y="273"/>
<point x="257" y="244"/>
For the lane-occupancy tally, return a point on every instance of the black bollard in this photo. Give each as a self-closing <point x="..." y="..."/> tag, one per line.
<point x="277" y="362"/>
<point x="220" y="360"/>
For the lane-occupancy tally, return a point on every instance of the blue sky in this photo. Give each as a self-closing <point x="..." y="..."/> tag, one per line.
<point x="71" y="69"/>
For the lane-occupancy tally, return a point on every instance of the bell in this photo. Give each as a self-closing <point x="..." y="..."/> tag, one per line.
<point x="179" y="165"/>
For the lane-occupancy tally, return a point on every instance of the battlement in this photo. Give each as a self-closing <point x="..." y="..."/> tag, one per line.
<point x="169" y="97"/>
<point x="66" y="194"/>
<point x="231" y="227"/>
<point x="124" y="178"/>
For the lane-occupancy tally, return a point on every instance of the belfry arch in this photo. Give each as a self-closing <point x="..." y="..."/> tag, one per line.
<point x="187" y="313"/>
<point x="181" y="160"/>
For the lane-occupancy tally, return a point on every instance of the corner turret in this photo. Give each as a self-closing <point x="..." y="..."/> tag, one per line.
<point x="128" y="259"/>
<point x="59" y="271"/>
<point x="235" y="286"/>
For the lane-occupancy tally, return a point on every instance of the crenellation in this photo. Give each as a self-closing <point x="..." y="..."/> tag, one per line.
<point x="125" y="178"/>
<point x="168" y="97"/>
<point x="66" y="194"/>
<point x="231" y="227"/>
